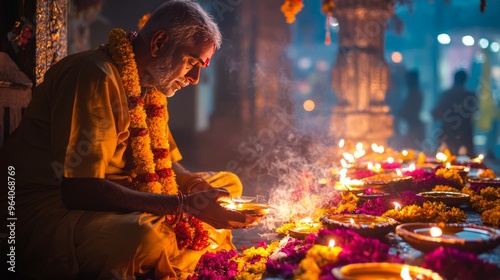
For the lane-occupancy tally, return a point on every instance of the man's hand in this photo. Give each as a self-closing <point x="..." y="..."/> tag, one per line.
<point x="197" y="184"/>
<point x="205" y="206"/>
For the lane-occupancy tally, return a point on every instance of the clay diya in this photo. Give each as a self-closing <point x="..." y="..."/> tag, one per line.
<point x="467" y="237"/>
<point x="365" y="271"/>
<point x="366" y="225"/>
<point x="248" y="208"/>
<point x="388" y="182"/>
<point x="490" y="182"/>
<point x="449" y="198"/>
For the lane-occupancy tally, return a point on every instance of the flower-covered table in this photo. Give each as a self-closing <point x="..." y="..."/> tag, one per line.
<point x="335" y="244"/>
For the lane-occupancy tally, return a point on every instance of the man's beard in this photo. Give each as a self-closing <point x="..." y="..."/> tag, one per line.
<point x="159" y="75"/>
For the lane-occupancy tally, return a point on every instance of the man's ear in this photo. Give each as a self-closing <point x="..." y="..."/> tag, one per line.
<point x="159" y="42"/>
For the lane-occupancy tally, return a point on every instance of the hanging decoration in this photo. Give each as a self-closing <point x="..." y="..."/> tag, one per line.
<point x="21" y="33"/>
<point x="291" y="8"/>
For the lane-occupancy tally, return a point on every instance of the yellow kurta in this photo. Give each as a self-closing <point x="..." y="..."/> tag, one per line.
<point x="77" y="126"/>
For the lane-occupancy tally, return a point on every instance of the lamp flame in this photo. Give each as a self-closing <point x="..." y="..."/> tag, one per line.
<point x="331" y="244"/>
<point x="360" y="153"/>
<point x="412" y="167"/>
<point x="441" y="157"/>
<point x="436" y="232"/>
<point x="404" y="153"/>
<point x="405" y="273"/>
<point x="398" y="171"/>
<point x="390" y="160"/>
<point x="480" y="156"/>
<point x="359" y="146"/>
<point x="349" y="157"/>
<point x="369" y="165"/>
<point x="374" y="147"/>
<point x="341" y="143"/>
<point x="230" y="206"/>
<point x="448" y="165"/>
<point x="308" y="221"/>
<point x="397" y="206"/>
<point x="352" y="221"/>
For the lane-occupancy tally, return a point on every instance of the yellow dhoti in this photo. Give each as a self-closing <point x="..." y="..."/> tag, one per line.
<point x="63" y="244"/>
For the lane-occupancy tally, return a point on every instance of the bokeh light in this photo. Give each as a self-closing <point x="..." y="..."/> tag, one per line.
<point x="309" y="105"/>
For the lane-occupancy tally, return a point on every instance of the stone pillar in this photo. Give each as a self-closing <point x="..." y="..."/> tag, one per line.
<point x="265" y="81"/>
<point x="360" y="76"/>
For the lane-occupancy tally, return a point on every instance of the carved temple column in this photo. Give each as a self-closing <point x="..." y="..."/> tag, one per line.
<point x="360" y="76"/>
<point x="51" y="34"/>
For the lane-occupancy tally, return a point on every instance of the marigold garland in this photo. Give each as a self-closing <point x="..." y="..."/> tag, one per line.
<point x="144" y="173"/>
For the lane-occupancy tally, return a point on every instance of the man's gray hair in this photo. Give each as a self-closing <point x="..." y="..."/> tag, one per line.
<point x="186" y="23"/>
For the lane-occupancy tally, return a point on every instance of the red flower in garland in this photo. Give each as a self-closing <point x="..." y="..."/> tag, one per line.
<point x="190" y="234"/>
<point x="183" y="233"/>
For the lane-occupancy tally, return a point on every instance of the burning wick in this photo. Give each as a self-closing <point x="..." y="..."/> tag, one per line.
<point x="404" y="153"/>
<point x="390" y="160"/>
<point x="436" y="232"/>
<point x="397" y="206"/>
<point x="232" y="206"/>
<point x="399" y="172"/>
<point x="308" y="221"/>
<point x="352" y="221"/>
<point x="341" y="143"/>
<point x="405" y="273"/>
<point x="359" y="146"/>
<point x="441" y="157"/>
<point x="369" y="165"/>
<point x="331" y="244"/>
<point x="448" y="165"/>
<point x="412" y="167"/>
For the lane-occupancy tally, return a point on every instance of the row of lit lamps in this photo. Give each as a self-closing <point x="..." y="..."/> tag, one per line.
<point x="468" y="40"/>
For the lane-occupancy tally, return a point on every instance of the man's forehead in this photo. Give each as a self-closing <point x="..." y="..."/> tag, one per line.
<point x="206" y="55"/>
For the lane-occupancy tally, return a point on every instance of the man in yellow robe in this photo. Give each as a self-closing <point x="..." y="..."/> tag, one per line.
<point x="73" y="213"/>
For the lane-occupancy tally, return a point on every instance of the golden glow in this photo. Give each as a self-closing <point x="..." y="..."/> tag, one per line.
<point x="441" y="157"/>
<point x="396" y="57"/>
<point x="390" y="160"/>
<point x="341" y="143"/>
<point x="331" y="244"/>
<point x="231" y="206"/>
<point x="358" y="154"/>
<point x="399" y="172"/>
<point x="404" y="153"/>
<point x="377" y="149"/>
<point x="307" y="221"/>
<point x="412" y="167"/>
<point x="359" y="146"/>
<point x="349" y="157"/>
<point x="369" y="166"/>
<point x="309" y="105"/>
<point x="436" y="232"/>
<point x="405" y="273"/>
<point x="397" y="206"/>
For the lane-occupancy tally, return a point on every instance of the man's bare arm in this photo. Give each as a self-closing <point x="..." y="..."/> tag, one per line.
<point x="104" y="195"/>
